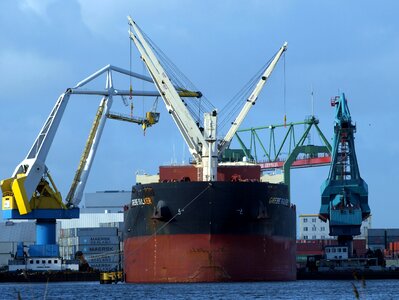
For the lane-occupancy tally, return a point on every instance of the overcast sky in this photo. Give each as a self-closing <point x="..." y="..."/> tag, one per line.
<point x="333" y="46"/>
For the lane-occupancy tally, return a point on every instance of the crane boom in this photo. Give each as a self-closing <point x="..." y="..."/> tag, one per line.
<point x="27" y="191"/>
<point x="31" y="192"/>
<point x="225" y="142"/>
<point x="174" y="104"/>
<point x="27" y="175"/>
<point x="78" y="184"/>
<point x="202" y="144"/>
<point x="75" y="193"/>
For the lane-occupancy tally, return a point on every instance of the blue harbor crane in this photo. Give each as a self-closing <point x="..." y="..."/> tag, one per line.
<point x="344" y="194"/>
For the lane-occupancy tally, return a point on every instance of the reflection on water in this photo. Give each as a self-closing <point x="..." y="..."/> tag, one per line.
<point x="311" y="289"/>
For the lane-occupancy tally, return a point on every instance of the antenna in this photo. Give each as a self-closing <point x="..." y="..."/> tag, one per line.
<point x="182" y="158"/>
<point x="174" y="161"/>
<point x="312" y="98"/>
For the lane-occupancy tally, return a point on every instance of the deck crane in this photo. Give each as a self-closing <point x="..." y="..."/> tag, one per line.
<point x="203" y="145"/>
<point x="30" y="193"/>
<point x="344" y="194"/>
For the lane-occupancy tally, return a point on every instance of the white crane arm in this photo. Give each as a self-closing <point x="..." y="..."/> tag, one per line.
<point x="75" y="193"/>
<point x="224" y="143"/>
<point x="174" y="104"/>
<point x="32" y="169"/>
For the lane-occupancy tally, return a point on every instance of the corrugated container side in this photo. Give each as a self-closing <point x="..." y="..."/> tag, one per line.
<point x="392" y="232"/>
<point x="392" y="238"/>
<point x="110" y="224"/>
<point x="103" y="258"/>
<point x="105" y="266"/>
<point x="372" y="240"/>
<point x="376" y="232"/>
<point x="97" y="240"/>
<point x="97" y="231"/>
<point x="87" y="249"/>
<point x="376" y="246"/>
<point x="360" y="246"/>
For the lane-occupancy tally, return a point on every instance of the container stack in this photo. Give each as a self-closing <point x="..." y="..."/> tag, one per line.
<point x="382" y="238"/>
<point x="100" y="246"/>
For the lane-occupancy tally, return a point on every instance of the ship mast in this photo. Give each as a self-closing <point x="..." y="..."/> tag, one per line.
<point x="202" y="144"/>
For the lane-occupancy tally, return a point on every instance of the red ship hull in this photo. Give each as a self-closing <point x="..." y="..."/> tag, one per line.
<point x="209" y="232"/>
<point x="208" y="258"/>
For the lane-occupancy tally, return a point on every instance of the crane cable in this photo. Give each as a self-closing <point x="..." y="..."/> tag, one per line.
<point x="285" y="93"/>
<point x="233" y="106"/>
<point x="130" y="77"/>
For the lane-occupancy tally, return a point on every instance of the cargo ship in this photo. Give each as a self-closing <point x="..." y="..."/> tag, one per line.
<point x="233" y="229"/>
<point x="209" y="221"/>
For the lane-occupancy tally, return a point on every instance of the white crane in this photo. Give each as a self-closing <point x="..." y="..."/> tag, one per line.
<point x="202" y="145"/>
<point x="28" y="189"/>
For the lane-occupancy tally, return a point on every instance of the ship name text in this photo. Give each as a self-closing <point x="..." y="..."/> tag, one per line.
<point x="279" y="200"/>
<point x="141" y="201"/>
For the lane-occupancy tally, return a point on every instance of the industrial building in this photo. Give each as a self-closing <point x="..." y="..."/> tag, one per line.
<point x="312" y="228"/>
<point x="98" y="230"/>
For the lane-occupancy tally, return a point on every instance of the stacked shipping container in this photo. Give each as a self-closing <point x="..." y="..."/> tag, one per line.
<point x="381" y="238"/>
<point x="101" y="246"/>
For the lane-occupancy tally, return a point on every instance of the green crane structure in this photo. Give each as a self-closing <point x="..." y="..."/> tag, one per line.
<point x="344" y="199"/>
<point x="273" y="157"/>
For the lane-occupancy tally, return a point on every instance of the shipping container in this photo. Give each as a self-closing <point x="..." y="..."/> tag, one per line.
<point x="112" y="258"/>
<point x="375" y="232"/>
<point x="372" y="240"/>
<point x="392" y="232"/>
<point x="88" y="249"/>
<point x="394" y="247"/>
<point x="105" y="266"/>
<point x="374" y="247"/>
<point x="95" y="240"/>
<point x="112" y="224"/>
<point x="392" y="238"/>
<point x="97" y="231"/>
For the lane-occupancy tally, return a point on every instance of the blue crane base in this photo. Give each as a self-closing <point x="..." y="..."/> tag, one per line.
<point x="72" y="213"/>
<point x="46" y="219"/>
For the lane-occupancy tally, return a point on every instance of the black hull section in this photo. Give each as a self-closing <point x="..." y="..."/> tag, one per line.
<point x="245" y="208"/>
<point x="202" y="231"/>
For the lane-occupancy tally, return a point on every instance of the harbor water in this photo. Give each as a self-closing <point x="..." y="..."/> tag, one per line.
<point x="310" y="289"/>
